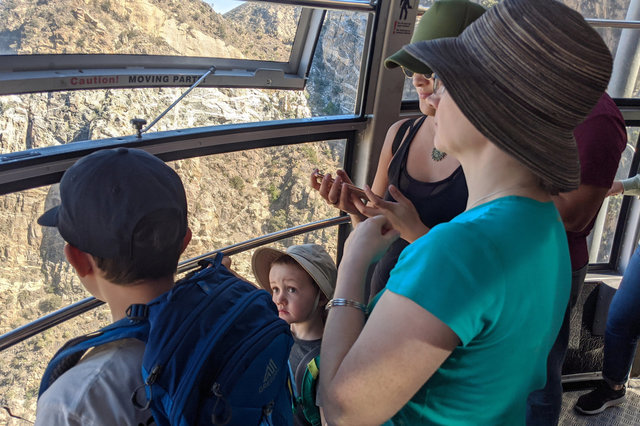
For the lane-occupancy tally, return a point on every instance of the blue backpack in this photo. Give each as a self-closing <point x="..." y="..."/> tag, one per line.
<point x="216" y="352"/>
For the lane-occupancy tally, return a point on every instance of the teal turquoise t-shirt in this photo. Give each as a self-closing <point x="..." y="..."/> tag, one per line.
<point x="499" y="276"/>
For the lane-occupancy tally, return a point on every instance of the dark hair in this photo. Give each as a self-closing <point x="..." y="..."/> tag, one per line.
<point x="157" y="243"/>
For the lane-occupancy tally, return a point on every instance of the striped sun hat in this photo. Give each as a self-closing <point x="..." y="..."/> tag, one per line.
<point x="525" y="74"/>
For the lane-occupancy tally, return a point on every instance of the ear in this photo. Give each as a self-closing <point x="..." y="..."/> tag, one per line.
<point x="79" y="260"/>
<point x="186" y="240"/>
<point x="323" y="299"/>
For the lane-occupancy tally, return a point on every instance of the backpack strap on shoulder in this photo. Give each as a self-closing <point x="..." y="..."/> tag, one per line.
<point x="211" y="261"/>
<point x="72" y="351"/>
<point x="308" y="392"/>
<point x="305" y="386"/>
<point x="400" y="134"/>
<point x="302" y="367"/>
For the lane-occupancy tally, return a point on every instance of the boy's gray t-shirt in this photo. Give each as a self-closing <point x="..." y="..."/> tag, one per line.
<point x="97" y="390"/>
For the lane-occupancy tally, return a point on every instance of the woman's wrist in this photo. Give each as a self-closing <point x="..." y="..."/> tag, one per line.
<point x="356" y="218"/>
<point x="417" y="233"/>
<point x="350" y="281"/>
<point x="354" y="262"/>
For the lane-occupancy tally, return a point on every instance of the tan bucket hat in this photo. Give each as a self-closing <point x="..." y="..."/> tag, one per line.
<point x="313" y="258"/>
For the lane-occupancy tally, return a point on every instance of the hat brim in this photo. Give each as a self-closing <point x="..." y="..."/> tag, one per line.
<point x="402" y="58"/>
<point x="50" y="217"/>
<point x="261" y="264"/>
<point x="315" y="273"/>
<point x="477" y="91"/>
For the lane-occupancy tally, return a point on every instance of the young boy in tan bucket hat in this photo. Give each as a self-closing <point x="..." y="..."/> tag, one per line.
<point x="301" y="281"/>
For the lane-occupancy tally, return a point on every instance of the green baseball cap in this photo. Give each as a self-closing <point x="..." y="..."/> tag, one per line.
<point x="445" y="18"/>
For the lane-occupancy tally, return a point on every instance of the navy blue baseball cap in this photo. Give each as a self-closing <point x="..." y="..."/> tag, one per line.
<point x="105" y="194"/>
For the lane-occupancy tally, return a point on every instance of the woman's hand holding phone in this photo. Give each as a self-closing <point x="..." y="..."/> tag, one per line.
<point x="339" y="192"/>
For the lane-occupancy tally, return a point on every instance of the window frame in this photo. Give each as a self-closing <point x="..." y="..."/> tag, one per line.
<point x="45" y="73"/>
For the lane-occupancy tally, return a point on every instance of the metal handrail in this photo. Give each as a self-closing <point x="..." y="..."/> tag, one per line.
<point x="48" y="321"/>
<point x="349" y="5"/>
<point x="595" y="22"/>
<point x="613" y="23"/>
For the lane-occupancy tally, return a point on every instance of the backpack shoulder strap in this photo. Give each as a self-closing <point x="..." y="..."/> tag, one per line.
<point x="400" y="134"/>
<point x="308" y="390"/>
<point x="72" y="351"/>
<point x="302" y="367"/>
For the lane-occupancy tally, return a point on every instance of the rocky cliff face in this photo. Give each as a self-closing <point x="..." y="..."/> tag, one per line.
<point x="334" y="74"/>
<point x="232" y="197"/>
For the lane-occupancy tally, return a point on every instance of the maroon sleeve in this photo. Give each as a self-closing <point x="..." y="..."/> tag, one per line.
<point x="601" y="138"/>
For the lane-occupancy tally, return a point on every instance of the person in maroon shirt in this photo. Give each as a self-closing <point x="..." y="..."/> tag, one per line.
<point x="601" y="138"/>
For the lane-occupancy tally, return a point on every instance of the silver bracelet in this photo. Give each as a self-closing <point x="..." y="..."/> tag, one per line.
<point x="347" y="302"/>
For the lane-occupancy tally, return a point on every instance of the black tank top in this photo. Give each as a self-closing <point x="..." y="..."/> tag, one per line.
<point x="436" y="202"/>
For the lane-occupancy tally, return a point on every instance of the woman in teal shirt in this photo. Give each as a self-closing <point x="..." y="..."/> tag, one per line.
<point x="462" y="332"/>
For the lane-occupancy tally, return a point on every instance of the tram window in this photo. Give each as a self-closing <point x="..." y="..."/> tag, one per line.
<point x="601" y="238"/>
<point x="49" y="119"/>
<point x="408" y="91"/>
<point x="23" y="364"/>
<point x="158" y="28"/>
<point x="598" y="9"/>
<point x="237" y="196"/>
<point x="232" y="197"/>
<point x="335" y="71"/>
<point x="39" y="120"/>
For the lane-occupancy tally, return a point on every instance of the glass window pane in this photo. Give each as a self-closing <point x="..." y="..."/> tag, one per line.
<point x="232" y="197"/>
<point x="601" y="238"/>
<point x="598" y="9"/>
<point x="39" y="120"/>
<point x="22" y="365"/>
<point x="335" y="71"/>
<point x="193" y="28"/>
<point x="409" y="91"/>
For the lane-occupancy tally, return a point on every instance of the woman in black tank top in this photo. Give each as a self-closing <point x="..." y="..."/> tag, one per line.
<point x="432" y="188"/>
<point x="435" y="202"/>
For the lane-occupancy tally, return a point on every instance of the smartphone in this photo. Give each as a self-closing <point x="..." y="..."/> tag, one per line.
<point x="354" y="189"/>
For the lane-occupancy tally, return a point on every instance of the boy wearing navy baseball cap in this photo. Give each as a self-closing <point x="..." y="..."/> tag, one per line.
<point x="123" y="216"/>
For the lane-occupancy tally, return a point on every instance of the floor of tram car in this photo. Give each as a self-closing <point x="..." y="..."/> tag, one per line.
<point x="628" y="413"/>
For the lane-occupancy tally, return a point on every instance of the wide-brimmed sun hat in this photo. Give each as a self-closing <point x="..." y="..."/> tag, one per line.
<point x="445" y="18"/>
<point x="525" y="74"/>
<point x="313" y="258"/>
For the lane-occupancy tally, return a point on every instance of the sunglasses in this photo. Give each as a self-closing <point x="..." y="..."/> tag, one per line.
<point x="410" y="73"/>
